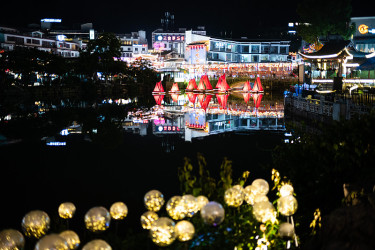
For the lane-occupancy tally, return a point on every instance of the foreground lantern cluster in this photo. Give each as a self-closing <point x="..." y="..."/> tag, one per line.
<point x="164" y="230"/>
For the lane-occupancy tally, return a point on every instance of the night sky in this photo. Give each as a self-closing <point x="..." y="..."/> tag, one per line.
<point x="241" y="18"/>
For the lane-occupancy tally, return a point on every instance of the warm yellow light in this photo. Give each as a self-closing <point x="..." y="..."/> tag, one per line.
<point x="363" y="29"/>
<point x="264" y="211"/>
<point x="97" y="245"/>
<point x="287" y="205"/>
<point x="148" y="218"/>
<point x="249" y="195"/>
<point x="11" y="239"/>
<point x="260" y="186"/>
<point x="52" y="241"/>
<point x="234" y="196"/>
<point x="71" y="239"/>
<point x="286" y="190"/>
<point x="118" y="210"/>
<point x="190" y="204"/>
<point x="97" y="219"/>
<point x="154" y="200"/>
<point x="36" y="224"/>
<point x="66" y="210"/>
<point x="286" y="230"/>
<point x="175" y="208"/>
<point x="202" y="201"/>
<point x="184" y="230"/>
<point x="162" y="231"/>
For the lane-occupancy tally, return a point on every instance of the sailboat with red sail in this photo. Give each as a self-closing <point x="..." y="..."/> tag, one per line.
<point x="158" y="88"/>
<point x="257" y="85"/>
<point x="158" y="99"/>
<point x="257" y="99"/>
<point x="175" y="88"/>
<point x="247" y="87"/>
<point x="222" y="85"/>
<point x="191" y="86"/>
<point x="204" y="84"/>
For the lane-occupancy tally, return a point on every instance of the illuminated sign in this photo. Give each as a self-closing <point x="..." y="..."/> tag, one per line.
<point x="61" y="37"/>
<point x="363" y="29"/>
<point x="92" y="34"/>
<point x="51" y="20"/>
<point x="168" y="128"/>
<point x="173" y="38"/>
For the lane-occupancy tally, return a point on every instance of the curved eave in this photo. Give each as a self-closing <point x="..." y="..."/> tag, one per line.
<point x="344" y="53"/>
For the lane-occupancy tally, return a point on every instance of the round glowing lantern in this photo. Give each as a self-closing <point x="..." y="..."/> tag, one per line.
<point x="162" y="231"/>
<point x="36" y="223"/>
<point x="97" y="245"/>
<point x="286" y="190"/>
<point x="190" y="203"/>
<point x="11" y="239"/>
<point x="249" y="195"/>
<point x="287" y="205"/>
<point x="260" y="197"/>
<point x="118" y="210"/>
<point x="286" y="230"/>
<point x="175" y="208"/>
<point x="148" y="218"/>
<point x="184" y="230"/>
<point x="260" y="186"/>
<point x="97" y="219"/>
<point x="154" y="200"/>
<point x="202" y="201"/>
<point x="52" y="241"/>
<point x="234" y="196"/>
<point x="71" y="239"/>
<point x="264" y="211"/>
<point x="213" y="213"/>
<point x="67" y="210"/>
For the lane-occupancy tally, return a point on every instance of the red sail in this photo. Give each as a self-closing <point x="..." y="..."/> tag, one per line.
<point x="246" y="97"/>
<point x="247" y="86"/>
<point x="257" y="99"/>
<point x="206" y="101"/>
<point x="201" y="85"/>
<point x="192" y="97"/>
<point x="218" y="85"/>
<point x="175" y="97"/>
<point x="192" y="85"/>
<point x="158" y="87"/>
<point x="207" y="82"/>
<point x="257" y="85"/>
<point x="223" y="85"/>
<point x="175" y="87"/>
<point x="158" y="99"/>
<point x="222" y="99"/>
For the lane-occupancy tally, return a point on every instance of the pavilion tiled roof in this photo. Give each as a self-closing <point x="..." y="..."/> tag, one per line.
<point x="330" y="48"/>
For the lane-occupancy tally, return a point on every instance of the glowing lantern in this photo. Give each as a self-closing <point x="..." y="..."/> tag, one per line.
<point x="287" y="205"/>
<point x="71" y="239"/>
<point x="97" y="245"/>
<point x="175" y="208"/>
<point x="11" y="239"/>
<point x="260" y="197"/>
<point x="249" y="195"/>
<point x="260" y="186"/>
<point x="286" y="190"/>
<point x="67" y="210"/>
<point x="213" y="213"/>
<point x="184" y="230"/>
<point x="148" y="218"/>
<point x="202" y="201"/>
<point x="190" y="203"/>
<point x="154" y="200"/>
<point x="36" y="224"/>
<point x="52" y="241"/>
<point x="162" y="231"/>
<point x="234" y="196"/>
<point x="286" y="230"/>
<point x="97" y="219"/>
<point x="118" y="210"/>
<point x="264" y="211"/>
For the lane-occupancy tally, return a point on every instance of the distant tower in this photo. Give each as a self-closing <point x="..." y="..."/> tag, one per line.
<point x="168" y="21"/>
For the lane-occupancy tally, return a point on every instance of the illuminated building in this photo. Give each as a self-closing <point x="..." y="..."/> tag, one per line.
<point x="364" y="36"/>
<point x="133" y="44"/>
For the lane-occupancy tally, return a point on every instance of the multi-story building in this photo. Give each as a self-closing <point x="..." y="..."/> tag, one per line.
<point x="202" y="49"/>
<point x="11" y="38"/>
<point x="133" y="44"/>
<point x="364" y="36"/>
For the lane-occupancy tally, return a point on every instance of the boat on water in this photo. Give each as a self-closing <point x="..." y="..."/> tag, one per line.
<point x="158" y="90"/>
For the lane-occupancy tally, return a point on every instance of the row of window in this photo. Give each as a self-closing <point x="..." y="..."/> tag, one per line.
<point x="47" y="44"/>
<point x="256" y="48"/>
<point x="229" y="57"/>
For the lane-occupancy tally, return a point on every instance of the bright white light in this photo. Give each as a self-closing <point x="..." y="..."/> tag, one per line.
<point x="51" y="20"/>
<point x="64" y="132"/>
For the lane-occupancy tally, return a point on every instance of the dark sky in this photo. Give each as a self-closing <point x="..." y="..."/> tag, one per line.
<point x="242" y="18"/>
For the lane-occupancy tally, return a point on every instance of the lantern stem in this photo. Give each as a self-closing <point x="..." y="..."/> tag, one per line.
<point x="295" y="235"/>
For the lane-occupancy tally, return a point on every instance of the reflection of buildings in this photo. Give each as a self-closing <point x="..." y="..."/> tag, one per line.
<point x="194" y="117"/>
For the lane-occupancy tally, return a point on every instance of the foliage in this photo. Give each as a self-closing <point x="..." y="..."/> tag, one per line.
<point x="320" y="164"/>
<point x="323" y="18"/>
<point x="240" y="228"/>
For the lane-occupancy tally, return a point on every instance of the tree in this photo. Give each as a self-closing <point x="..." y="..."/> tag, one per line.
<point x="322" y="18"/>
<point x="101" y="54"/>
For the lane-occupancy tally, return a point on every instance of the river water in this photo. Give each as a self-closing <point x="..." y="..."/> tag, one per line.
<point x="65" y="150"/>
